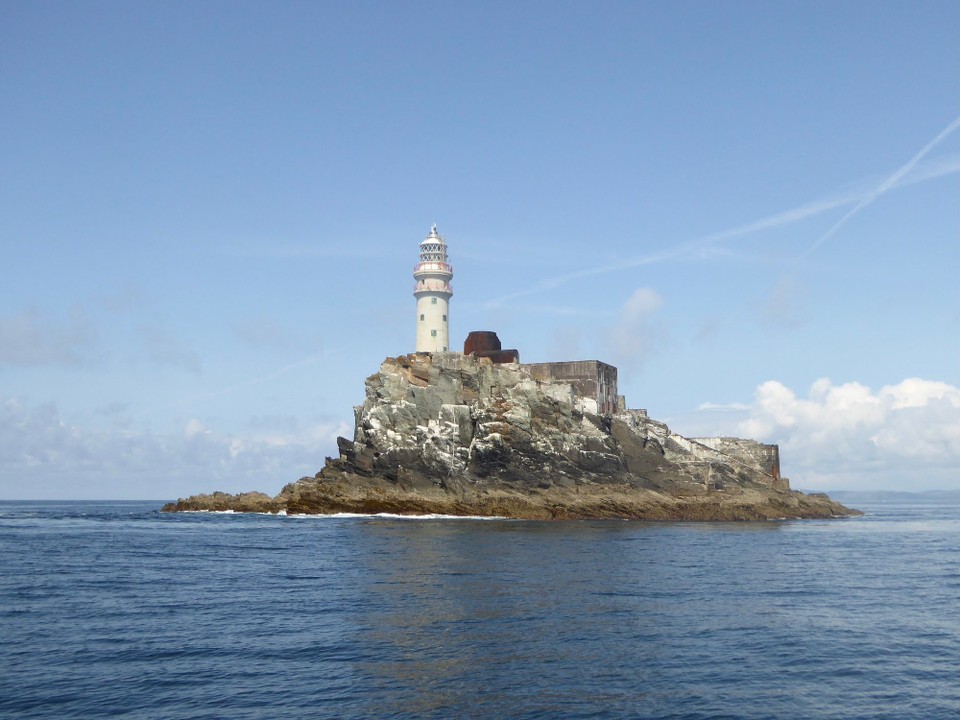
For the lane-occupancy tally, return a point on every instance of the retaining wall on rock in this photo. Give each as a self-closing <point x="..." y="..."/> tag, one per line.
<point x="591" y="379"/>
<point x="765" y="458"/>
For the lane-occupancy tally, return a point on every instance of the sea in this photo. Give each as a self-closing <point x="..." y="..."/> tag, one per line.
<point x="116" y="610"/>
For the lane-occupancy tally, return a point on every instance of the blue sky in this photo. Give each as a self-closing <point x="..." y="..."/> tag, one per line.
<point x="209" y="215"/>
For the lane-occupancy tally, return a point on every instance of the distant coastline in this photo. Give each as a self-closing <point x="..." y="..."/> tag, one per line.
<point x="928" y="497"/>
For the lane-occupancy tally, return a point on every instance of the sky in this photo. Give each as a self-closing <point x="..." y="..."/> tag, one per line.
<point x="210" y="213"/>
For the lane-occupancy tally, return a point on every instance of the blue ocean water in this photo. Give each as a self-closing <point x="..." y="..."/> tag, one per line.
<point x="116" y="610"/>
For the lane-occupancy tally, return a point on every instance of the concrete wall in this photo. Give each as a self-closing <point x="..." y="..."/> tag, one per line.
<point x="591" y="379"/>
<point x="764" y="457"/>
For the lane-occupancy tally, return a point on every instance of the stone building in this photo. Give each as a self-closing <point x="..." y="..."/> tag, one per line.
<point x="592" y="380"/>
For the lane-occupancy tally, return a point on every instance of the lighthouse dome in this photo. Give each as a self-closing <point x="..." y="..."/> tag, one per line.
<point x="433" y="237"/>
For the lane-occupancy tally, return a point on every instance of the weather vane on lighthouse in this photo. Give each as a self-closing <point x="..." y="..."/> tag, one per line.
<point x="433" y="291"/>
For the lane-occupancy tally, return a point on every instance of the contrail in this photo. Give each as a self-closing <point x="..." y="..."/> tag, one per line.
<point x="559" y="280"/>
<point x="929" y="171"/>
<point x="248" y="383"/>
<point x="886" y="184"/>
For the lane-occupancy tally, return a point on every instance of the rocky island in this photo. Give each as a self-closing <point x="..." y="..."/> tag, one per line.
<point x="479" y="434"/>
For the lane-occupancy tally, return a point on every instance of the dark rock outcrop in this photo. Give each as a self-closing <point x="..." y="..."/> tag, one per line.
<point x="457" y="434"/>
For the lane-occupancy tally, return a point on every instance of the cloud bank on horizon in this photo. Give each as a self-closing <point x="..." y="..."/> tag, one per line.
<point x="901" y="437"/>
<point x="45" y="458"/>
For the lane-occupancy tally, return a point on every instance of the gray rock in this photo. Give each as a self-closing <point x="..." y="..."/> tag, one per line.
<point x="446" y="432"/>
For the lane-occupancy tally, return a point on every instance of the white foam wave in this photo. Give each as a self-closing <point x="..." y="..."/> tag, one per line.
<point x="385" y="516"/>
<point x="396" y="516"/>
<point x="233" y="512"/>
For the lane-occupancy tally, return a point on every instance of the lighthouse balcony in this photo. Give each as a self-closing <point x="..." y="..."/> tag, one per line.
<point x="433" y="267"/>
<point x="424" y="286"/>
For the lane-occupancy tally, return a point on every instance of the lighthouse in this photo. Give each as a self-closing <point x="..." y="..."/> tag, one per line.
<point x="432" y="291"/>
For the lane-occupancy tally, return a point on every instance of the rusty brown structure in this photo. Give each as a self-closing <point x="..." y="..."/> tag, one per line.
<point x="485" y="343"/>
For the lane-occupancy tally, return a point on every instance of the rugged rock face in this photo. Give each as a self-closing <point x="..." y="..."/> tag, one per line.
<point x="454" y="434"/>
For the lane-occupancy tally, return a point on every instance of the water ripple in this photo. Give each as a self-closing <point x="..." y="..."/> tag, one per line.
<point x="114" y="610"/>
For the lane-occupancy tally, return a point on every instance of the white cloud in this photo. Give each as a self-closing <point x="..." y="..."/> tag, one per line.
<point x="194" y="428"/>
<point x="722" y="406"/>
<point x="42" y="457"/>
<point x="915" y="392"/>
<point x="904" y="436"/>
<point x="636" y="333"/>
<point x="641" y="305"/>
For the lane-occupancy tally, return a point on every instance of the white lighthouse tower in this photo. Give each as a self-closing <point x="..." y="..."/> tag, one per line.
<point x="433" y="291"/>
